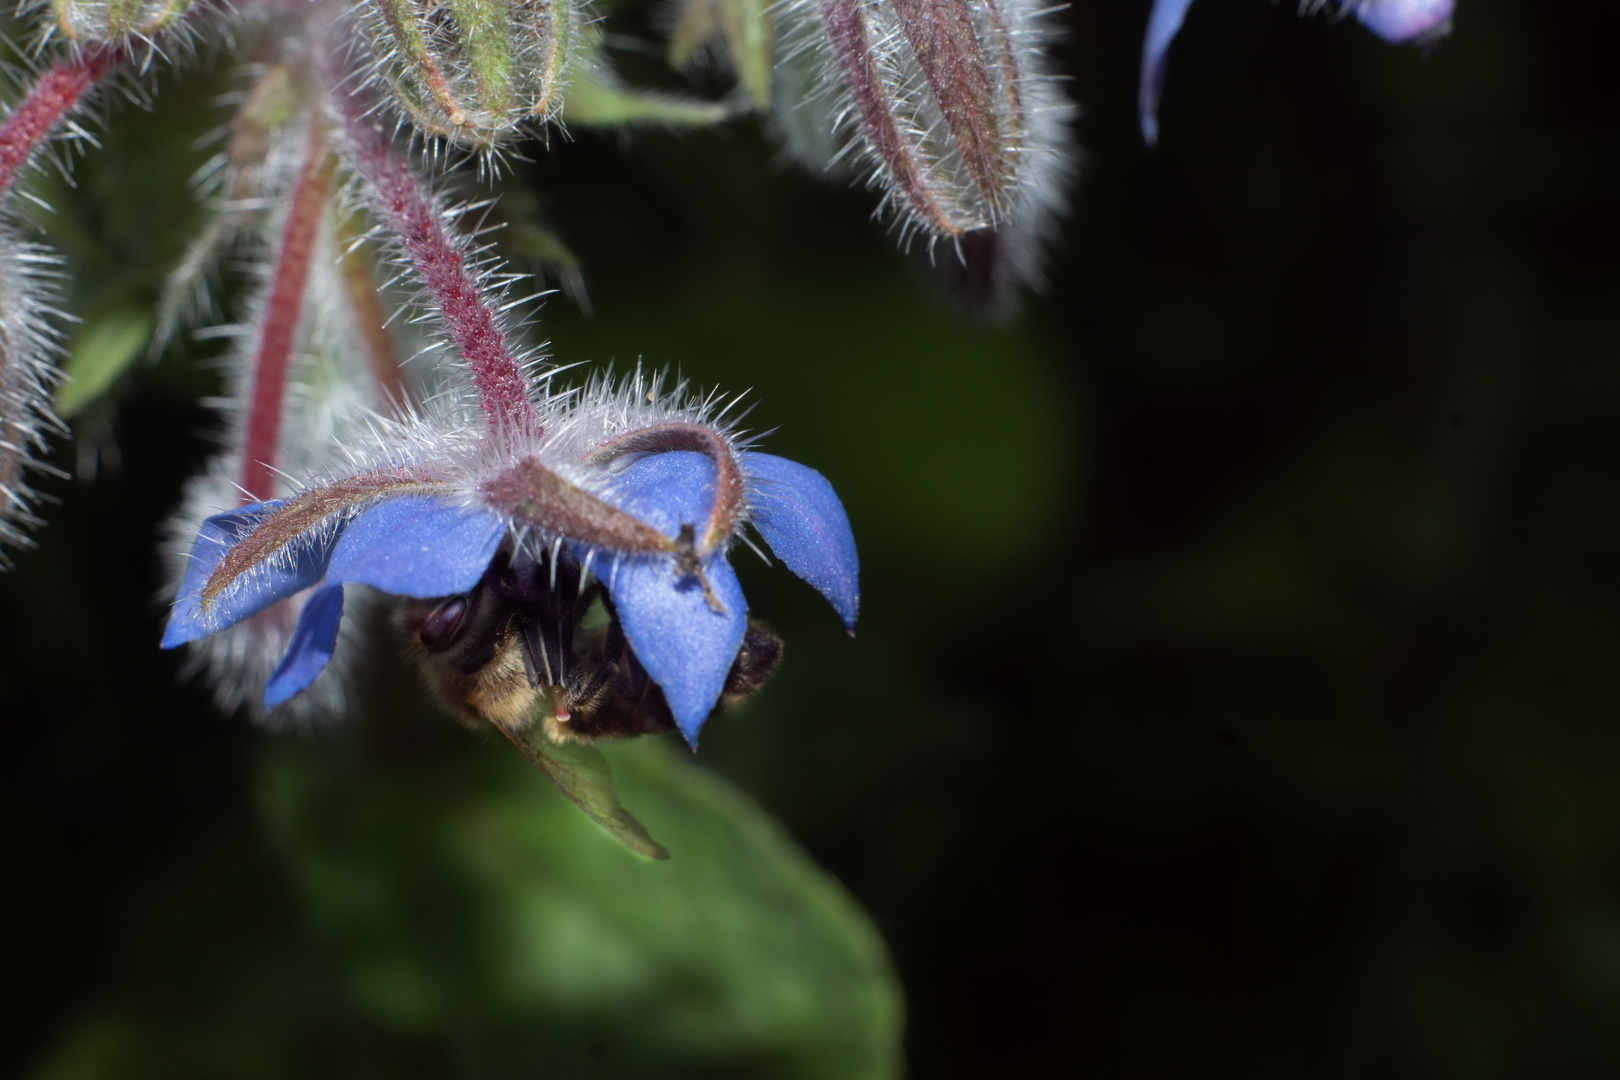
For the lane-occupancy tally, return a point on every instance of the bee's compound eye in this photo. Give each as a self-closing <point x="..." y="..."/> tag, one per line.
<point x="441" y="628"/>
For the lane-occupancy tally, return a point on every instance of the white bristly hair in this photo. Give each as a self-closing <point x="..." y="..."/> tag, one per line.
<point x="29" y="347"/>
<point x="819" y="115"/>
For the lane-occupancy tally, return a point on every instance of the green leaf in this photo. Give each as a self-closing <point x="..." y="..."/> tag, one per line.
<point x="597" y="99"/>
<point x="746" y="28"/>
<point x="583" y="774"/>
<point x="749" y="36"/>
<point x="462" y="900"/>
<point x="100" y="352"/>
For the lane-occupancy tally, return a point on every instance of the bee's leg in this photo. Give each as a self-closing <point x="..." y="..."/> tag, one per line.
<point x="536" y="664"/>
<point x="756" y="662"/>
<point x="545" y="596"/>
<point x="585" y="695"/>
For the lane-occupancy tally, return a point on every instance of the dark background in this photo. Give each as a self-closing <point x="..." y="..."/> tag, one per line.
<point x="1236" y="685"/>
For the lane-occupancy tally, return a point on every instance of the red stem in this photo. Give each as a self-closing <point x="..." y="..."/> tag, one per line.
<point x="279" y="323"/>
<point x="53" y="97"/>
<point x="410" y="212"/>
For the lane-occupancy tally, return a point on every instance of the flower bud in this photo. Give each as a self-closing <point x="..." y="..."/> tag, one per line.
<point x="27" y="375"/>
<point x="113" y="21"/>
<point x="472" y="70"/>
<point x="949" y="103"/>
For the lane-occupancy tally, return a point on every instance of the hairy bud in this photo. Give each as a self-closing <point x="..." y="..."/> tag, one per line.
<point x="115" y="21"/>
<point x="27" y="375"/>
<point x="950" y="107"/>
<point x="472" y="71"/>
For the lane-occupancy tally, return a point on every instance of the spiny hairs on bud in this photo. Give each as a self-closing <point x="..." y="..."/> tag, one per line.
<point x="950" y="106"/>
<point x="470" y="74"/>
<point x="107" y="22"/>
<point x="29" y="346"/>
<point x="607" y="408"/>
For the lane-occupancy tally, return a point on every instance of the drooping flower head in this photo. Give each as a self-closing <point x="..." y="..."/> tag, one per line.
<point x="645" y="502"/>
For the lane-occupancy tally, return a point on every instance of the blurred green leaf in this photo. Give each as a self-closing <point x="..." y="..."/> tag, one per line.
<point x="444" y="913"/>
<point x="480" y="894"/>
<point x="597" y="99"/>
<point x="582" y="773"/>
<point x="746" y="28"/>
<point x="100" y="352"/>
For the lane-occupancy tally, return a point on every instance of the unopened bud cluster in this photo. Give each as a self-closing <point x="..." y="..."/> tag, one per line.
<point x="472" y="71"/>
<point x="115" y="21"/>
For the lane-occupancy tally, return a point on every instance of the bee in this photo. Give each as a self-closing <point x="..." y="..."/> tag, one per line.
<point x="512" y="652"/>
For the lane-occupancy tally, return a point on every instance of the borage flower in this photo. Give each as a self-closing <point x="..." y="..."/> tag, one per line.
<point x="616" y="497"/>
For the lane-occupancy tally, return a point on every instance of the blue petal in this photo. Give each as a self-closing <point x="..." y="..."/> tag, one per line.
<point x="417" y="545"/>
<point x="1400" y="21"/>
<point x="1163" y="24"/>
<point x="313" y="640"/>
<point x="264" y="586"/>
<point x="665" y="490"/>
<point x="412" y="545"/>
<point x="797" y="512"/>
<point x="685" y="645"/>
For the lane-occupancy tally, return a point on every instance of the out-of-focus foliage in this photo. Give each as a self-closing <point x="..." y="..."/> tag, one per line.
<point x="423" y="910"/>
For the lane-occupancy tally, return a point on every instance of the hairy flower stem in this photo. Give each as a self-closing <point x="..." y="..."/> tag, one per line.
<point x="281" y="317"/>
<point x="410" y="212"/>
<point x="53" y="97"/>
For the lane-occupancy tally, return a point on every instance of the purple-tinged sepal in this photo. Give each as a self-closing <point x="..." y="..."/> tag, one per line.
<point x="949" y="106"/>
<point x="803" y="522"/>
<point x="199" y="611"/>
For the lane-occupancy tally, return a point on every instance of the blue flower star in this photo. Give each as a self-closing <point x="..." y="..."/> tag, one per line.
<point x="684" y="616"/>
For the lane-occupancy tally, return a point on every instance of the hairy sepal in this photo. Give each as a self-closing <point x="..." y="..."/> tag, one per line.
<point x="948" y="106"/>
<point x="115" y="22"/>
<point x="319" y="511"/>
<point x="472" y="72"/>
<point x="29" y="350"/>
